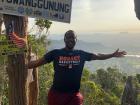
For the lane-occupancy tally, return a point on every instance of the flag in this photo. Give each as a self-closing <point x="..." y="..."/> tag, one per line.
<point x="19" y="42"/>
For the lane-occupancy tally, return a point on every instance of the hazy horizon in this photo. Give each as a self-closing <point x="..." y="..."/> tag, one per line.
<point x="108" y="44"/>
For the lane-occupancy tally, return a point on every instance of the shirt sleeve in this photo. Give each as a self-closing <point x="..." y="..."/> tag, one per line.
<point x="49" y="56"/>
<point x="87" y="56"/>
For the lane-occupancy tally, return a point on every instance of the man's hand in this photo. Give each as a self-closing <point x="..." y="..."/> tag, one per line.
<point x="118" y="53"/>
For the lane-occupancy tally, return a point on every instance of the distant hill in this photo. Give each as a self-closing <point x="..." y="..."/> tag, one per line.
<point x="126" y="41"/>
<point x="88" y="46"/>
<point x="123" y="40"/>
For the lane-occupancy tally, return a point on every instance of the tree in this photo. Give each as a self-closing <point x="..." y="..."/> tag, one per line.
<point x="38" y="46"/>
<point x="109" y="78"/>
<point x="45" y="71"/>
<point x="138" y="77"/>
<point x="43" y="25"/>
<point x="33" y="80"/>
<point x="103" y="78"/>
<point x="45" y="81"/>
<point x="93" y="93"/>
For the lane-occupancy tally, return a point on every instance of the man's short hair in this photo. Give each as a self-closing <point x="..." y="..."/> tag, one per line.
<point x="72" y="33"/>
<point x="69" y="32"/>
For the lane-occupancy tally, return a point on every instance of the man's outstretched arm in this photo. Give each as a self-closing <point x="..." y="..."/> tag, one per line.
<point x="117" y="53"/>
<point x="36" y="63"/>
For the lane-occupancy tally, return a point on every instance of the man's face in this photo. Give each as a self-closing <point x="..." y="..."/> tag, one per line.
<point x="70" y="40"/>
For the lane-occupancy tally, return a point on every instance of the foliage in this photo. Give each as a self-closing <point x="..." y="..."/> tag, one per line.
<point x="45" y="82"/>
<point x="5" y="100"/>
<point x="3" y="80"/>
<point x="43" y="24"/>
<point x="86" y="75"/>
<point x="138" y="77"/>
<point x="138" y="99"/>
<point x="109" y="78"/>
<point x="38" y="44"/>
<point x="93" y="93"/>
<point x="102" y="88"/>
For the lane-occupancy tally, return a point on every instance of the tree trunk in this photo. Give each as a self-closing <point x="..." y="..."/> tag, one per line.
<point x="33" y="88"/>
<point x="33" y="80"/>
<point x="16" y="64"/>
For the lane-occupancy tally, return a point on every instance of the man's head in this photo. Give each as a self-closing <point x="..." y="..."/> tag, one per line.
<point x="70" y="39"/>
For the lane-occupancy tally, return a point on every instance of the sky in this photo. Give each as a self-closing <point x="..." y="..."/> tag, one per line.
<point x="89" y="16"/>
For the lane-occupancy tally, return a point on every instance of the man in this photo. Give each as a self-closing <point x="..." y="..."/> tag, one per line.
<point x="68" y="66"/>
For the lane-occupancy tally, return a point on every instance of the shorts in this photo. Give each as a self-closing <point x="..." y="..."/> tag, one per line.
<point x="58" y="98"/>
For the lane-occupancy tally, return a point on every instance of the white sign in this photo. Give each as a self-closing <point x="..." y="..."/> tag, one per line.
<point x="56" y="10"/>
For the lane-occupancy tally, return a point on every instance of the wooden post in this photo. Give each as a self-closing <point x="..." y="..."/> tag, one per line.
<point x="16" y="64"/>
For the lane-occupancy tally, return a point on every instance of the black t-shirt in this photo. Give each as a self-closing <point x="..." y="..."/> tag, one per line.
<point x="68" y="67"/>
